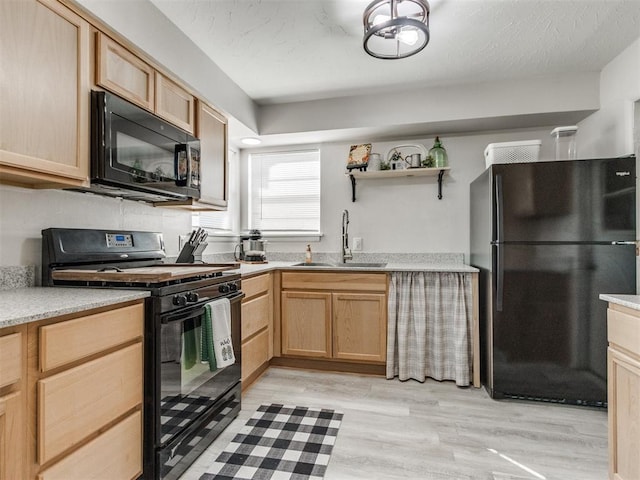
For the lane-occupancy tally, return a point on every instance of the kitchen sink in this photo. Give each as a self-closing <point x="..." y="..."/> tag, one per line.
<point x="341" y="265"/>
<point x="312" y="264"/>
<point x="361" y="265"/>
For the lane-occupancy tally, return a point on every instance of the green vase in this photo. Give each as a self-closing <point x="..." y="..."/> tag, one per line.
<point x="439" y="154"/>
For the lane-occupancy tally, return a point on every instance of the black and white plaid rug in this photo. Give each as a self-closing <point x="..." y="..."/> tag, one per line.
<point x="279" y="442"/>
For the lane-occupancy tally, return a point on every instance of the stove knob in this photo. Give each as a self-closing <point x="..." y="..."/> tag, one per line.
<point x="180" y="300"/>
<point x="224" y="288"/>
<point x="192" y="297"/>
<point x="233" y="287"/>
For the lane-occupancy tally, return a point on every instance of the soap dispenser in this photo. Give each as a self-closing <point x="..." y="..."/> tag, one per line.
<point x="307" y="255"/>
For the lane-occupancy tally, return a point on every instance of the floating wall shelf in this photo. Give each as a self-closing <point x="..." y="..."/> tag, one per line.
<point x="409" y="172"/>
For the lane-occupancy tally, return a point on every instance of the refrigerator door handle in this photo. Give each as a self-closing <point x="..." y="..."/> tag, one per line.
<point x="622" y="243"/>
<point x="499" y="276"/>
<point x="499" y="208"/>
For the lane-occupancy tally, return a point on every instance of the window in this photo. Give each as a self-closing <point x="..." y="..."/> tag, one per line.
<point x="284" y="191"/>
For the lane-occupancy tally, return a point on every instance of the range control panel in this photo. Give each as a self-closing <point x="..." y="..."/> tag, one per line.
<point x="119" y="240"/>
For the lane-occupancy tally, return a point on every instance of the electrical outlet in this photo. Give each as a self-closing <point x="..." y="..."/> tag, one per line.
<point x="357" y="244"/>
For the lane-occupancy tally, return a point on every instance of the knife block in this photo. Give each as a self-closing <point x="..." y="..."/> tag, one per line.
<point x="191" y="253"/>
<point x="196" y="256"/>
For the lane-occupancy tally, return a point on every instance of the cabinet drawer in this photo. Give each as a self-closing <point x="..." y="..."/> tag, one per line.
<point x="72" y="340"/>
<point x="255" y="315"/>
<point x="117" y="453"/>
<point x="354" y="282"/>
<point x="623" y="329"/>
<point x="256" y="285"/>
<point x="255" y="353"/>
<point x="10" y="359"/>
<point x="78" y="402"/>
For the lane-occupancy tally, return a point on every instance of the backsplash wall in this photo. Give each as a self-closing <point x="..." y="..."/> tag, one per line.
<point x="25" y="212"/>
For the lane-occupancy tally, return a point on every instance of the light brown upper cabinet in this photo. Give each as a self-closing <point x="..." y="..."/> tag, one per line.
<point x="126" y="74"/>
<point x="123" y="73"/>
<point x="44" y="95"/>
<point x="211" y="129"/>
<point x="212" y="132"/>
<point x="174" y="103"/>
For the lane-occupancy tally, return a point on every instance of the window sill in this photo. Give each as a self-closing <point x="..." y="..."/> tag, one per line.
<point x="273" y="236"/>
<point x="293" y="236"/>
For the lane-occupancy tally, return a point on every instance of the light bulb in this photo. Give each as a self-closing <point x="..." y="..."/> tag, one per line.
<point x="408" y="36"/>
<point x="380" y="18"/>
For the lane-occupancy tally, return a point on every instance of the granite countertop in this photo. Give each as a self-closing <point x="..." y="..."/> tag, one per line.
<point x="253" y="269"/>
<point x="629" y="301"/>
<point x="23" y="305"/>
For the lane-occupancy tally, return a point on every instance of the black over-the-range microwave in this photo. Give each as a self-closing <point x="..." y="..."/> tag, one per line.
<point x="138" y="156"/>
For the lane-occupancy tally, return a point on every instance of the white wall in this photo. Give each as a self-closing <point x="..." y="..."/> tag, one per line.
<point x="609" y="131"/>
<point x="25" y="212"/>
<point x="402" y="214"/>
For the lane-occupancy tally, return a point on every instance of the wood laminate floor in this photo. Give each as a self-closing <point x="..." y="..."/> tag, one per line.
<point x="433" y="430"/>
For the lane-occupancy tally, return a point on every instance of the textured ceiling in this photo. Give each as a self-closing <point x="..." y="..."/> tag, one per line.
<point x="291" y="50"/>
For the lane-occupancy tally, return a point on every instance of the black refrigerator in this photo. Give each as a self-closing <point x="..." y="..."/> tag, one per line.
<point x="548" y="238"/>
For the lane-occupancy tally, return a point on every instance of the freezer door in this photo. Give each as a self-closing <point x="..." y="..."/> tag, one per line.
<point x="568" y="201"/>
<point x="549" y="335"/>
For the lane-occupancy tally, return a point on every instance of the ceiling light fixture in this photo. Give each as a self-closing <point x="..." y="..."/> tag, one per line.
<point x="251" y="141"/>
<point x="395" y="28"/>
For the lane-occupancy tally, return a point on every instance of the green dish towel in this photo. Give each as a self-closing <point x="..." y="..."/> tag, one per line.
<point x="190" y="346"/>
<point x="206" y="345"/>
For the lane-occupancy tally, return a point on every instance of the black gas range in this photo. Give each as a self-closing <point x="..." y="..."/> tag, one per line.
<point x="187" y="403"/>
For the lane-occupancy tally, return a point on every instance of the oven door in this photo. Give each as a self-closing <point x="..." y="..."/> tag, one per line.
<point x="188" y="385"/>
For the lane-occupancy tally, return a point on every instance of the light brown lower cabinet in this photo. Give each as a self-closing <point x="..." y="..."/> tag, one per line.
<point x="12" y="402"/>
<point x="257" y="326"/>
<point x="115" y="453"/>
<point x="306" y="324"/>
<point x="340" y="316"/>
<point x="623" y="329"/>
<point x="75" y="384"/>
<point x="360" y="326"/>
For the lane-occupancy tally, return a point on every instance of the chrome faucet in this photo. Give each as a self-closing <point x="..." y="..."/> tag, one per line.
<point x="346" y="252"/>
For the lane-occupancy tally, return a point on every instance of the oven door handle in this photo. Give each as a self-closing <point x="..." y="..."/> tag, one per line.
<point x="183" y="316"/>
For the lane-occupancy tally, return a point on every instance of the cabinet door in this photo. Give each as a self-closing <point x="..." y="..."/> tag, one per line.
<point x="624" y="416"/>
<point x="175" y="104"/>
<point x="123" y="73"/>
<point x="12" y="429"/>
<point x="360" y="327"/>
<point x="306" y="324"/>
<point x="44" y="94"/>
<point x="212" y="132"/>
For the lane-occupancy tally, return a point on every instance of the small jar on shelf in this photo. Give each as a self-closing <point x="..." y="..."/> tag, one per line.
<point x="438" y="154"/>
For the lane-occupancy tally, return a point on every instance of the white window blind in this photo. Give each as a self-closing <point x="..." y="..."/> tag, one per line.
<point x="285" y="191"/>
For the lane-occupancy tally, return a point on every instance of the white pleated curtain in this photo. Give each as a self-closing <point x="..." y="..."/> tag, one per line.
<point x="429" y="329"/>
